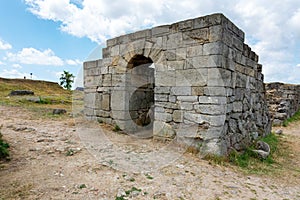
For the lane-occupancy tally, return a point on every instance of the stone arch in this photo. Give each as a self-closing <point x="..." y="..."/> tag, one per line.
<point x="140" y="89"/>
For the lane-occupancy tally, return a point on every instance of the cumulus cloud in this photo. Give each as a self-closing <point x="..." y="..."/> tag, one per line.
<point x="36" y="57"/>
<point x="13" y="73"/>
<point x="4" y="45"/>
<point x="272" y="27"/>
<point x="17" y="66"/>
<point x="73" y="62"/>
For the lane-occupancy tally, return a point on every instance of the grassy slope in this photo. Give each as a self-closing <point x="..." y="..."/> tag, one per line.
<point x="51" y="92"/>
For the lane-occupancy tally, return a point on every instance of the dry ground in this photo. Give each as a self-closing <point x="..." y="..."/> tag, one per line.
<point x="68" y="159"/>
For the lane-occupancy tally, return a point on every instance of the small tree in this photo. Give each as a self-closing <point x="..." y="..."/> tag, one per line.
<point x="66" y="80"/>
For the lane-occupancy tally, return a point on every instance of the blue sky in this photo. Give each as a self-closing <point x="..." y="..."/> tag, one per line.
<point x="45" y="37"/>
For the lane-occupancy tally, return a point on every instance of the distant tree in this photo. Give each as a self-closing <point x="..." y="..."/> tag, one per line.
<point x="66" y="80"/>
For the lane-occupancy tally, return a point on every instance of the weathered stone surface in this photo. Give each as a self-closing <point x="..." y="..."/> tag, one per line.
<point x="284" y="101"/>
<point x="195" y="80"/>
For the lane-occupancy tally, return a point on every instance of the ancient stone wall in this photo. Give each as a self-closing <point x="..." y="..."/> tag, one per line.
<point x="194" y="82"/>
<point x="283" y="100"/>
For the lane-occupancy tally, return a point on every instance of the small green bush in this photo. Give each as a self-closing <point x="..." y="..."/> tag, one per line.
<point x="116" y="128"/>
<point x="4" y="153"/>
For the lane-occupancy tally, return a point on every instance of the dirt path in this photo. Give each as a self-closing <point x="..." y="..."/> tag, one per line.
<point x="73" y="159"/>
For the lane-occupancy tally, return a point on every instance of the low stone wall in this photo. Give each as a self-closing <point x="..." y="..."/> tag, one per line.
<point x="283" y="99"/>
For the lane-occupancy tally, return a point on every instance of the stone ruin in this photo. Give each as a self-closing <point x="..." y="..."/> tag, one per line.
<point x="283" y="100"/>
<point x="194" y="82"/>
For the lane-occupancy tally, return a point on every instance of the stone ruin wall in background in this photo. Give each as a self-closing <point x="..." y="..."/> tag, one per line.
<point x="284" y="101"/>
<point x="195" y="82"/>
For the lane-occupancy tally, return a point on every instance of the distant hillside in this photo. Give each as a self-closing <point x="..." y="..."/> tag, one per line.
<point x="40" y="88"/>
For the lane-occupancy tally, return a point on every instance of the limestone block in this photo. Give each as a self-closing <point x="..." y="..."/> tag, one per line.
<point x="121" y="115"/>
<point x="105" y="102"/>
<point x="178" y="116"/>
<point x="215" y="91"/>
<point x="219" y="77"/>
<point x="215" y="33"/>
<point x="207" y="21"/>
<point x="185" y="25"/>
<point x="172" y="98"/>
<point x="115" y="50"/>
<point x="187" y="98"/>
<point x="176" y="65"/>
<point x="89" y="100"/>
<point x="214" y="48"/>
<point x="186" y="106"/>
<point x="89" y="65"/>
<point x="101" y="113"/>
<point x="119" y="100"/>
<point x="194" y="117"/>
<point x="163" y="130"/>
<point x="166" y="117"/>
<point x="161" y="97"/>
<point x="196" y="36"/>
<point x="237" y="106"/>
<point x="141" y="34"/>
<point x="194" y="51"/>
<point x="212" y="100"/>
<point x="106" y="80"/>
<point x="210" y="133"/>
<point x="197" y="91"/>
<point x="160" y="30"/>
<point x="167" y="105"/>
<point x="211" y="109"/>
<point x="215" y="120"/>
<point x="192" y="77"/>
<point x="166" y="78"/>
<point x="162" y="90"/>
<point x="174" y="40"/>
<point x="205" y="61"/>
<point x="181" y="53"/>
<point x="181" y="90"/>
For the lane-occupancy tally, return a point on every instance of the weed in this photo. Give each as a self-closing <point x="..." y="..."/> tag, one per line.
<point x="148" y="176"/>
<point x="70" y="152"/>
<point x="82" y="186"/>
<point x="128" y="192"/>
<point x="44" y="100"/>
<point x="4" y="153"/>
<point x="215" y="159"/>
<point x="295" y="117"/>
<point x="116" y="128"/>
<point x="100" y="121"/>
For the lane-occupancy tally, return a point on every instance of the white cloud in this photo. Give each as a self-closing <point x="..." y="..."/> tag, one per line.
<point x="2" y="63"/>
<point x="14" y="74"/>
<point x="298" y="65"/>
<point x="73" y="62"/>
<point x="4" y="45"/>
<point x="34" y="56"/>
<point x="17" y="66"/>
<point x="272" y="27"/>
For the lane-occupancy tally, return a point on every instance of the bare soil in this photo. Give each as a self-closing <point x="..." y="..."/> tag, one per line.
<point x="74" y="159"/>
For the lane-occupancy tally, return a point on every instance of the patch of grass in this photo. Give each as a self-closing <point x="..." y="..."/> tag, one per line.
<point x="82" y="186"/>
<point x="116" y="128"/>
<point x="250" y="162"/>
<point x="4" y="153"/>
<point x="294" y="118"/>
<point x="215" y="159"/>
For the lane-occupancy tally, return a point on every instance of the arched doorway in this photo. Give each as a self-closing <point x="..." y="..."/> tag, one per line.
<point x="140" y="85"/>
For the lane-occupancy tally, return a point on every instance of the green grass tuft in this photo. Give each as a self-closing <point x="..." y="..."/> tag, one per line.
<point x="294" y="118"/>
<point x="4" y="153"/>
